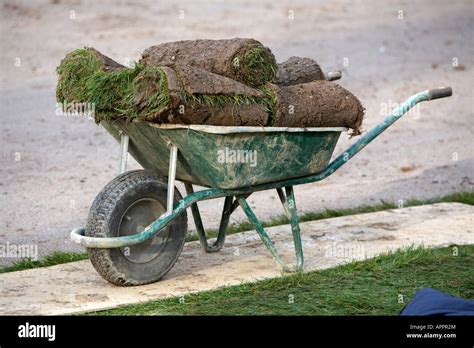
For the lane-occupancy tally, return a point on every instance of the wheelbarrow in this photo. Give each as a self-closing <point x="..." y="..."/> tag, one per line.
<point x="137" y="224"/>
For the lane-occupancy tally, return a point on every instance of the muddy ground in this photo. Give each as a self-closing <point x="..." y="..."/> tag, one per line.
<point x="53" y="166"/>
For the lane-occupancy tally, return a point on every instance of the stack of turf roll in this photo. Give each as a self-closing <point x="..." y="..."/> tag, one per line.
<point x="233" y="82"/>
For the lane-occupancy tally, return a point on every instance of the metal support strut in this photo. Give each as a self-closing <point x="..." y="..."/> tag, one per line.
<point x="123" y="156"/>
<point x="295" y="227"/>
<point x="171" y="178"/>
<point x="288" y="200"/>
<point x="229" y="207"/>
<point x="283" y="201"/>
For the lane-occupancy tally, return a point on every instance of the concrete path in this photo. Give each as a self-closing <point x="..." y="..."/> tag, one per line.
<point x="76" y="287"/>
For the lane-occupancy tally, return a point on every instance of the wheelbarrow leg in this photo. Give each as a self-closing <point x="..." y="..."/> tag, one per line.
<point x="288" y="201"/>
<point x="229" y="208"/>
<point x="295" y="227"/>
<point x="284" y="202"/>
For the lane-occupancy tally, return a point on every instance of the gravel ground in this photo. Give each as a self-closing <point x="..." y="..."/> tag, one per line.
<point x="52" y="166"/>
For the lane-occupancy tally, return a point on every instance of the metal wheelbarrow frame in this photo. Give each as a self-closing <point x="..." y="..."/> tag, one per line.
<point x="236" y="196"/>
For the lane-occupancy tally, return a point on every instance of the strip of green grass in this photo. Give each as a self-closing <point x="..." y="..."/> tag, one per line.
<point x="370" y="287"/>
<point x="59" y="257"/>
<point x="55" y="258"/>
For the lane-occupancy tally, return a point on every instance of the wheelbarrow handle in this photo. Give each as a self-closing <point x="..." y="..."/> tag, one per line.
<point x="378" y="129"/>
<point x="441" y="92"/>
<point x="334" y="75"/>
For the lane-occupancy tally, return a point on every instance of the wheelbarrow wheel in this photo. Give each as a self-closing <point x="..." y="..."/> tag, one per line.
<point x="126" y="206"/>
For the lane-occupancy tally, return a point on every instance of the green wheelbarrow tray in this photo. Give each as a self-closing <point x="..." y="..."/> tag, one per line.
<point x="234" y="162"/>
<point x="229" y="157"/>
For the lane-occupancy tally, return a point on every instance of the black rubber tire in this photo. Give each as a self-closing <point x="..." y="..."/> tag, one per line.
<point x="105" y="218"/>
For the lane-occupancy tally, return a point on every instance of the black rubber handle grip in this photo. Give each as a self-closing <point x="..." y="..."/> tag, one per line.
<point x="441" y="92"/>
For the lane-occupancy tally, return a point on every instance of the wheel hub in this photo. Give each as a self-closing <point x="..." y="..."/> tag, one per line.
<point x="135" y="220"/>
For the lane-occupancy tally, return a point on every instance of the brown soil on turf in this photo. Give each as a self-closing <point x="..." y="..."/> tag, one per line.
<point x="199" y="81"/>
<point x="220" y="115"/>
<point x="146" y="85"/>
<point x="317" y="104"/>
<point x="298" y="70"/>
<point x="109" y="63"/>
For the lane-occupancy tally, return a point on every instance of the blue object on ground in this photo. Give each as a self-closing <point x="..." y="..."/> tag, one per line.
<point x="433" y="302"/>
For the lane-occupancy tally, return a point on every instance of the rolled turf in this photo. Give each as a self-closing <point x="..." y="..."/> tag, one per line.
<point x="163" y="95"/>
<point x="189" y="94"/>
<point x="298" y="70"/>
<point x="184" y="94"/>
<point x="75" y="70"/>
<point x="317" y="104"/>
<point x="244" y="60"/>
